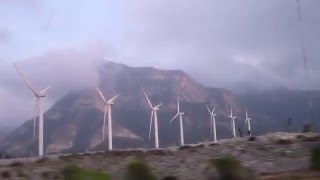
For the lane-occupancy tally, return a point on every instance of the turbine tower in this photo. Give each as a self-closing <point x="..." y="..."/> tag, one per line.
<point x="107" y="107"/>
<point x="40" y="95"/>
<point x="213" y="122"/>
<point x="233" y="123"/>
<point x="248" y="120"/>
<point x="180" y="114"/>
<point x="154" y="115"/>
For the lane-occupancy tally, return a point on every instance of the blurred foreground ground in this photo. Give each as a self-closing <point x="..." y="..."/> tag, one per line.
<point x="273" y="156"/>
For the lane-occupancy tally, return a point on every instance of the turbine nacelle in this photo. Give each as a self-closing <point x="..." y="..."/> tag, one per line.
<point x="40" y="95"/>
<point x="247" y="120"/>
<point x="43" y="93"/>
<point x="157" y="107"/>
<point x="111" y="101"/>
<point x="211" y="112"/>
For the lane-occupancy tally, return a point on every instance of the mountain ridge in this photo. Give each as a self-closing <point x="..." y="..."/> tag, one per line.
<point x="74" y="122"/>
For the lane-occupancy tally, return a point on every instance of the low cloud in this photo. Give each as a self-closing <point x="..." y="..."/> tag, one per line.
<point x="64" y="69"/>
<point x="5" y="36"/>
<point x="221" y="43"/>
<point x="228" y="43"/>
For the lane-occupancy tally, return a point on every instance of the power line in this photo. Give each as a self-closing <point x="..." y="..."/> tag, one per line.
<point x="304" y="56"/>
<point x="302" y="43"/>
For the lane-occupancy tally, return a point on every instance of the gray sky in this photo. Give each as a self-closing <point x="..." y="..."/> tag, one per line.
<point x="222" y="43"/>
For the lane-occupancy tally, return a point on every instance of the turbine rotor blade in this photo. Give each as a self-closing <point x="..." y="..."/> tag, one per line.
<point x="174" y="118"/>
<point x="246" y="114"/>
<point x="157" y="106"/>
<point x="150" y="125"/>
<point x="25" y="79"/>
<point x="44" y="91"/>
<point x="149" y="102"/>
<point x="178" y="102"/>
<point x="208" y="109"/>
<point x="101" y="95"/>
<point x="231" y="112"/>
<point x="115" y="97"/>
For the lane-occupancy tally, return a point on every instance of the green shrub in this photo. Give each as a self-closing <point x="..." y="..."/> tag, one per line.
<point x="5" y="174"/>
<point x="307" y="128"/>
<point x="21" y="173"/>
<point x="285" y="141"/>
<point x="42" y="160"/>
<point x="74" y="172"/>
<point x="229" y="168"/>
<point x="170" y="178"/>
<point x="252" y="138"/>
<point x="138" y="170"/>
<point x="16" y="164"/>
<point x="315" y="158"/>
<point x="45" y="174"/>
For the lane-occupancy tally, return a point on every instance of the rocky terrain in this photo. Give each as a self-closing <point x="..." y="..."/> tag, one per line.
<point x="273" y="156"/>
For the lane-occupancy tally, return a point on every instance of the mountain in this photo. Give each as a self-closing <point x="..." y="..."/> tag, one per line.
<point x="281" y="104"/>
<point x="74" y="123"/>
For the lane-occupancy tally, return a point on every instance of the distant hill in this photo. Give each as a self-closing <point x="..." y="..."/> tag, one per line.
<point x="74" y="123"/>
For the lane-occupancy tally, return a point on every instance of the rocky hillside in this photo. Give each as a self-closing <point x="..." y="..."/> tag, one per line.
<point x="273" y="156"/>
<point x="74" y="123"/>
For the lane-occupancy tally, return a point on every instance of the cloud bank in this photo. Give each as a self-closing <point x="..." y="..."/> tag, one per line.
<point x="234" y="44"/>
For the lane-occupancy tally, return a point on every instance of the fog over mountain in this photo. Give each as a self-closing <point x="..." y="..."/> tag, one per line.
<point x="232" y="44"/>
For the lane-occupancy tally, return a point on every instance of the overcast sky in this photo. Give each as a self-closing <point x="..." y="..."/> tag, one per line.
<point x="222" y="43"/>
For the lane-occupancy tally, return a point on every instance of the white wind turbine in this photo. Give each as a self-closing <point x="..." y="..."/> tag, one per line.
<point x="213" y="122"/>
<point x="39" y="108"/>
<point x="154" y="116"/>
<point x="180" y="114"/>
<point x="233" y="124"/>
<point x="107" y="107"/>
<point x="248" y="120"/>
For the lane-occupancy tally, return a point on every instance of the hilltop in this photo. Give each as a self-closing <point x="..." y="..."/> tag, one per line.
<point x="272" y="155"/>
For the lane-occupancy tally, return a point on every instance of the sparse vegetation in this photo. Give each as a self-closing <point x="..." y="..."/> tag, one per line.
<point x="21" y="173"/>
<point x="315" y="158"/>
<point x="229" y="168"/>
<point x="74" y="172"/>
<point x="252" y="138"/>
<point x="285" y="141"/>
<point x="307" y="128"/>
<point x="5" y="174"/>
<point x="170" y="178"/>
<point x="16" y="164"/>
<point x="45" y="174"/>
<point x="56" y="177"/>
<point x="42" y="160"/>
<point x="138" y="170"/>
<point x="65" y="158"/>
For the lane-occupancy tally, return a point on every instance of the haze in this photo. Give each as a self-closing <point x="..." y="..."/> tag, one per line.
<point x="222" y="43"/>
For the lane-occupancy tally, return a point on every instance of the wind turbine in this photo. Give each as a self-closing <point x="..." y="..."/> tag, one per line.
<point x="248" y="120"/>
<point x="107" y="107"/>
<point x="180" y="114"/>
<point x="39" y="108"/>
<point x="154" y="115"/>
<point x="233" y="124"/>
<point x="213" y="122"/>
